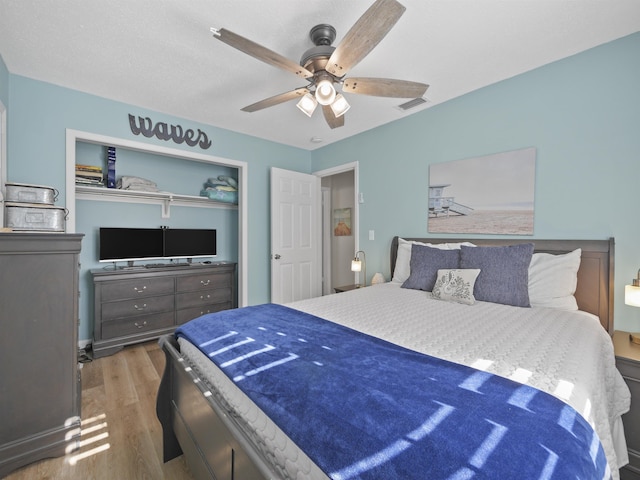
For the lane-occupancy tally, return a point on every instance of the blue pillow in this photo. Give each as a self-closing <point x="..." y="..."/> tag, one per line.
<point x="425" y="263"/>
<point x="504" y="272"/>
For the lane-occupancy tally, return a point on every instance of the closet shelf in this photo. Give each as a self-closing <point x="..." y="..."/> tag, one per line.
<point x="164" y="199"/>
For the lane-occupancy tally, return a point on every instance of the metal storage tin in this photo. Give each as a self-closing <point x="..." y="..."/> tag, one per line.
<point x="25" y="193"/>
<point x="34" y="217"/>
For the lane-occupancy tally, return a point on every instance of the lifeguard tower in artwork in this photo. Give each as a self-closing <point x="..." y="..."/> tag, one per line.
<point x="440" y="205"/>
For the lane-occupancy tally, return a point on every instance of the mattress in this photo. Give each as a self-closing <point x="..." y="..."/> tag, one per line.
<point x="566" y="354"/>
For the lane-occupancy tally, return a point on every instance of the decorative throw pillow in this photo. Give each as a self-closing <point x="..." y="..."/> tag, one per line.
<point x="504" y="276"/>
<point x="456" y="285"/>
<point x="402" y="269"/>
<point x="403" y="258"/>
<point x="425" y="263"/>
<point x="553" y="280"/>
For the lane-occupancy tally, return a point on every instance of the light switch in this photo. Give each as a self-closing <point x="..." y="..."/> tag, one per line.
<point x="372" y="235"/>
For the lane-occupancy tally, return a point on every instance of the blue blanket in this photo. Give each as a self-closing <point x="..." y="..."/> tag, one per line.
<point x="361" y="407"/>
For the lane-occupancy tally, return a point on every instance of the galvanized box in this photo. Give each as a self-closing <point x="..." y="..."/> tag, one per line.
<point x="34" y="217"/>
<point x="25" y="193"/>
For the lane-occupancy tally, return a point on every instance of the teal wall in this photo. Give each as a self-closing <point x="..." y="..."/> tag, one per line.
<point x="581" y="113"/>
<point x="4" y="83"/>
<point x="38" y="117"/>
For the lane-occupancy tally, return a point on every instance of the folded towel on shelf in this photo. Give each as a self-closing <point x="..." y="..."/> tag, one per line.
<point x="127" y="182"/>
<point x="221" y="180"/>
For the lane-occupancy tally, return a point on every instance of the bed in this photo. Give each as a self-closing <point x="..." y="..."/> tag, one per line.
<point x="487" y="368"/>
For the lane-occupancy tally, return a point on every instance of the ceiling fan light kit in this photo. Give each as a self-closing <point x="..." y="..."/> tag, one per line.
<point x="307" y="104"/>
<point x="340" y="105"/>
<point x="325" y="91"/>
<point x="325" y="66"/>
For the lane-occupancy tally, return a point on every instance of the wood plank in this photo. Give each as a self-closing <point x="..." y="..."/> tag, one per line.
<point x="121" y="436"/>
<point x="118" y="383"/>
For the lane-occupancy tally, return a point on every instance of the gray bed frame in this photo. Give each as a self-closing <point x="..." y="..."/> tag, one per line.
<point x="214" y="444"/>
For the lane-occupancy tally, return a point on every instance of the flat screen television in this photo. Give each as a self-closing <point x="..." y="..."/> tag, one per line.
<point x="189" y="243"/>
<point x="129" y="244"/>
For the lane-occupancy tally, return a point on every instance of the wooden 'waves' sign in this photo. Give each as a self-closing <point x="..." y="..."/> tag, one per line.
<point x="163" y="131"/>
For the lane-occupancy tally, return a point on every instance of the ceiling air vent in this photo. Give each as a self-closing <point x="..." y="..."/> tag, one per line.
<point x="416" y="102"/>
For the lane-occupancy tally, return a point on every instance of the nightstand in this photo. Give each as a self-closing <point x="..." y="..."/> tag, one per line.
<point x="346" y="288"/>
<point x="628" y="363"/>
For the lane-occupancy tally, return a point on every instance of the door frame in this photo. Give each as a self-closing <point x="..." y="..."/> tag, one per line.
<point x="325" y="233"/>
<point x="3" y="158"/>
<point x="346" y="167"/>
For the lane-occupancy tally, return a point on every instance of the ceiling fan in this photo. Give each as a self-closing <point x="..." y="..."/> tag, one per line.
<point x="325" y="66"/>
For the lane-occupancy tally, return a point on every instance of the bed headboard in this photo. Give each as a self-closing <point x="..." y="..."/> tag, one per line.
<point x="594" y="293"/>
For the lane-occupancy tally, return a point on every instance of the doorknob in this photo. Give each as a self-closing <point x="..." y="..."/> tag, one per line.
<point x="277" y="256"/>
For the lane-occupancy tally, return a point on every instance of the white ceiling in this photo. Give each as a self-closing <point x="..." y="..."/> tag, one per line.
<point x="160" y="54"/>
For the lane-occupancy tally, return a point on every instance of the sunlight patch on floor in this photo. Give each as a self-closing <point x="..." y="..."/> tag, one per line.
<point x="93" y="431"/>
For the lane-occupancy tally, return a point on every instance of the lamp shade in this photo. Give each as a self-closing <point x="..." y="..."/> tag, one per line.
<point x="340" y="105"/>
<point x="325" y="92"/>
<point x="359" y="264"/>
<point x="632" y="295"/>
<point x="307" y="104"/>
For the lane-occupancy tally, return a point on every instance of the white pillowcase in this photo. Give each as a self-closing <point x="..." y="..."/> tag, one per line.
<point x="403" y="259"/>
<point x="553" y="280"/>
<point x="456" y="285"/>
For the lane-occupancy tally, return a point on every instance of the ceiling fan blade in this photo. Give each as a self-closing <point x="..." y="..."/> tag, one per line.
<point x="384" y="87"/>
<point x="364" y="35"/>
<point x="332" y="120"/>
<point x="261" y="53"/>
<point x="277" y="99"/>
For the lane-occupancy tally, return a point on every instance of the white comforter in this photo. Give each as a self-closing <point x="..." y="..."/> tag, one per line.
<point x="567" y="354"/>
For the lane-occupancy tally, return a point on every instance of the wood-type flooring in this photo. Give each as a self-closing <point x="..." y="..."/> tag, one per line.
<point x="121" y="435"/>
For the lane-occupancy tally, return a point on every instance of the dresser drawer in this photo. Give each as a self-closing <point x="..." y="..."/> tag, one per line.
<point x="203" y="281"/>
<point x="141" y="287"/>
<point x="206" y="297"/>
<point x="628" y="368"/>
<point x="138" y="306"/>
<point x="136" y="325"/>
<point x="187" y="314"/>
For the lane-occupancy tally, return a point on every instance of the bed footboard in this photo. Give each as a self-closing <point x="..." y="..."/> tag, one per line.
<point x="193" y="423"/>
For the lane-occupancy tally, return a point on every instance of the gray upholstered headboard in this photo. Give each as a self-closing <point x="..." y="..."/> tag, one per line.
<point x="594" y="293"/>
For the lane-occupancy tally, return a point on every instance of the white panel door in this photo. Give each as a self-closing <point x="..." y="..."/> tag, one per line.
<point x="295" y="236"/>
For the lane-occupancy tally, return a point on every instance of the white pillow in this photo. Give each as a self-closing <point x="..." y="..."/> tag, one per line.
<point x="553" y="280"/>
<point x="456" y="285"/>
<point x="403" y="258"/>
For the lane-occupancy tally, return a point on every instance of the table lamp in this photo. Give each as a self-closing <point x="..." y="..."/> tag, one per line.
<point x="632" y="297"/>
<point x="360" y="265"/>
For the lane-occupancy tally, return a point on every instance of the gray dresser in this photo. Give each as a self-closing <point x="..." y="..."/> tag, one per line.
<point x="628" y="363"/>
<point x="39" y="375"/>
<point x="140" y="304"/>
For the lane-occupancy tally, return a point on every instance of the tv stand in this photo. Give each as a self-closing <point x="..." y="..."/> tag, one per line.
<point x="140" y="304"/>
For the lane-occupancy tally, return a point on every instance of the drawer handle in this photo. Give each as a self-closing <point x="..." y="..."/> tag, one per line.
<point x="204" y="284"/>
<point x="144" y="324"/>
<point x="202" y="297"/>
<point x="208" y="311"/>
<point x="140" y="290"/>
<point x="144" y="305"/>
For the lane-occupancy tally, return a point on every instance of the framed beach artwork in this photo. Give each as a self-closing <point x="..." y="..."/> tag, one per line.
<point x="342" y="222"/>
<point x="492" y="194"/>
